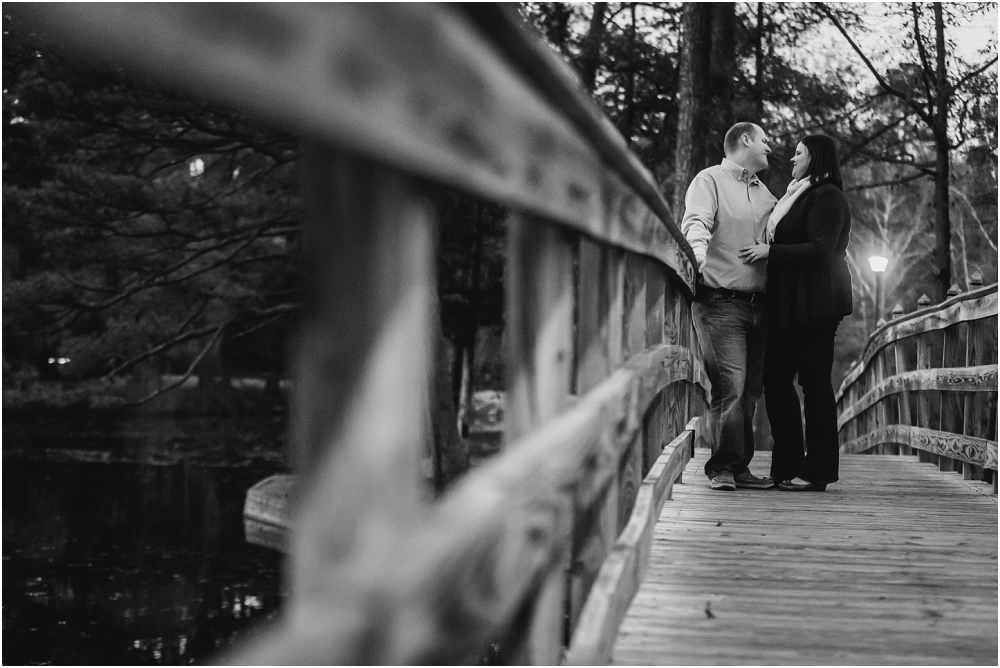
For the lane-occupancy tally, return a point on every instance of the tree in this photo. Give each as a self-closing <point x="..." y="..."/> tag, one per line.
<point x="148" y="230"/>
<point x="935" y="87"/>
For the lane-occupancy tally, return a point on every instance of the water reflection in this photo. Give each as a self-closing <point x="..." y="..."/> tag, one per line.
<point x="125" y="563"/>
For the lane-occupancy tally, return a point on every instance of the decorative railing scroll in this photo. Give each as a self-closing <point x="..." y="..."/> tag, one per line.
<point x="540" y="549"/>
<point x="927" y="383"/>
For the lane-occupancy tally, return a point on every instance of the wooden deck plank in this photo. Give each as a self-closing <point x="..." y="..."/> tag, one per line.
<point x="896" y="564"/>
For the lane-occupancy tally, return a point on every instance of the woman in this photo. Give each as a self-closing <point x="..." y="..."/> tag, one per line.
<point x="808" y="292"/>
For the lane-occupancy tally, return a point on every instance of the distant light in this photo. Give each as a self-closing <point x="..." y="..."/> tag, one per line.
<point x="58" y="360"/>
<point x="878" y="263"/>
<point x="197" y="167"/>
<point x="236" y="173"/>
<point x="16" y="120"/>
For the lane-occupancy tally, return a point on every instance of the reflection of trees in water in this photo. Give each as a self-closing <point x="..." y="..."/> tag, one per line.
<point x="129" y="564"/>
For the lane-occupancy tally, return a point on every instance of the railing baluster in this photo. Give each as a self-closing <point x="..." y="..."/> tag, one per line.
<point x="953" y="355"/>
<point x="653" y="423"/>
<point x="633" y="342"/>
<point x="539" y="331"/>
<point x="599" y="307"/>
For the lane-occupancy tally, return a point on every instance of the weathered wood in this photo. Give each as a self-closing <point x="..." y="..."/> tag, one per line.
<point x="634" y="337"/>
<point x="974" y="305"/>
<point x="396" y="95"/>
<point x="364" y="348"/>
<point x="539" y="337"/>
<point x="923" y="400"/>
<point x="904" y="399"/>
<point x="623" y="572"/>
<point x="961" y="379"/>
<point x="592" y="326"/>
<point x="953" y="355"/>
<point x="979" y="451"/>
<point x="877" y="378"/>
<point x="976" y="407"/>
<point x="266" y="509"/>
<point x="895" y="564"/>
<point x="413" y="85"/>
<point x="539" y="343"/>
<point x="552" y="76"/>
<point x="599" y="325"/>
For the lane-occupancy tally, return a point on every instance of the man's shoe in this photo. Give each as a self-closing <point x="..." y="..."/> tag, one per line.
<point x="722" y="480"/>
<point x="750" y="481"/>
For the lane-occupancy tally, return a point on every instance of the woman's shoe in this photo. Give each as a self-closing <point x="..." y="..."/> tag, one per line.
<point x="803" y="486"/>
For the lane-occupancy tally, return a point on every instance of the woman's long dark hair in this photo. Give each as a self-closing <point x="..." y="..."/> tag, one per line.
<point x="824" y="167"/>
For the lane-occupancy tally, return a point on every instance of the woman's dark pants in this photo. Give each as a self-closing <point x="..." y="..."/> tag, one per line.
<point x="807" y="349"/>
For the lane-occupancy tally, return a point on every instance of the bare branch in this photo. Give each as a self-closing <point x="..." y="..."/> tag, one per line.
<point x="190" y="370"/>
<point x="868" y="140"/>
<point x="975" y="217"/>
<point x="886" y="86"/>
<point x="979" y="70"/>
<point x="893" y="182"/>
<point x="927" y="74"/>
<point x="163" y="347"/>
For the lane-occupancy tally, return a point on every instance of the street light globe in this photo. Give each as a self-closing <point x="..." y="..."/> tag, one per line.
<point x="878" y="263"/>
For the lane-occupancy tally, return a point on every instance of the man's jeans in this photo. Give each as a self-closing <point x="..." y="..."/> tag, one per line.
<point x="733" y="336"/>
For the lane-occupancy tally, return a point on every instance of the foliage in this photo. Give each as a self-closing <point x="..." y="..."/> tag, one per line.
<point x="142" y="229"/>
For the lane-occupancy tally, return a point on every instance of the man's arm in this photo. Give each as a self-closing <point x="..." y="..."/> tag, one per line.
<point x="700" y="206"/>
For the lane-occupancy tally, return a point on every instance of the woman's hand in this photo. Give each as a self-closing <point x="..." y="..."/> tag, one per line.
<point x="754" y="253"/>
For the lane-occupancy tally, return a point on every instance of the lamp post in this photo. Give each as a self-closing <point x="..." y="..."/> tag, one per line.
<point x="878" y="264"/>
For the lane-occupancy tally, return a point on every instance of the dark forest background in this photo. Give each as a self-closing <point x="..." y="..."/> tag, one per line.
<point x="150" y="239"/>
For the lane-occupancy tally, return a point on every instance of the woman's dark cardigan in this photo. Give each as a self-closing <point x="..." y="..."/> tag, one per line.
<point x="807" y="273"/>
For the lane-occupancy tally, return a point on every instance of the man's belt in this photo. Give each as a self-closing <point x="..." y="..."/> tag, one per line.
<point x="731" y="294"/>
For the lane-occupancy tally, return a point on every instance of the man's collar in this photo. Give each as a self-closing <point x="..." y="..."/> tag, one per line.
<point x="738" y="171"/>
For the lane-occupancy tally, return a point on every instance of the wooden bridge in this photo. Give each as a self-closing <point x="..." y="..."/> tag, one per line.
<point x="583" y="542"/>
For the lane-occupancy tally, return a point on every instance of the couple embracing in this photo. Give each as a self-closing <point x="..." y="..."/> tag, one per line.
<point x="773" y="286"/>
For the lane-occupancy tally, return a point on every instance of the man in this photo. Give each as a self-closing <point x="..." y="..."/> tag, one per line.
<point x="726" y="208"/>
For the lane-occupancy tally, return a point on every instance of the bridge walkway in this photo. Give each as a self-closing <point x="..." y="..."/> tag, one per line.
<point x="895" y="564"/>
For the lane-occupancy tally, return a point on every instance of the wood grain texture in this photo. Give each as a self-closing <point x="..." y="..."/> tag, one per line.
<point x="364" y="349"/>
<point x="893" y="565"/>
<point x="266" y="509"/>
<point x="539" y="324"/>
<point x="973" y="305"/>
<point x="979" y="451"/>
<point x="981" y="378"/>
<point x="623" y="571"/>
<point x="539" y="344"/>
<point x="413" y="85"/>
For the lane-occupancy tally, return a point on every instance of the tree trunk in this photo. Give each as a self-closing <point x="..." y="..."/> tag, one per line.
<point x="592" y="47"/>
<point x="450" y="454"/>
<point x="722" y="68"/>
<point x="942" y="179"/>
<point x="468" y="365"/>
<point x="628" y="116"/>
<point x="758" y="82"/>
<point x="692" y="119"/>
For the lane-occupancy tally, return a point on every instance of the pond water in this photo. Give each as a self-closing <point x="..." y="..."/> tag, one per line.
<point x="129" y="562"/>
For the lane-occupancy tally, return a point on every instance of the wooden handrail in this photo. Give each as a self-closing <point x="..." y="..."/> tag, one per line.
<point x="968" y="379"/>
<point x="972" y="305"/>
<point x="411" y="85"/>
<point x="926" y="382"/>
<point x="539" y="548"/>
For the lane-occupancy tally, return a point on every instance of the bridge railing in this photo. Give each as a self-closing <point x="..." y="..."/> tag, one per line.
<point x="926" y="384"/>
<point x="538" y="551"/>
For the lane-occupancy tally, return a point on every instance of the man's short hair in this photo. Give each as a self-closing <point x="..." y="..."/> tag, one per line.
<point x="732" y="142"/>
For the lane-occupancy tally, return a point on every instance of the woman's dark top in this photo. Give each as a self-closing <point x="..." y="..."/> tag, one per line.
<point x="807" y="273"/>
